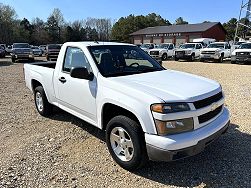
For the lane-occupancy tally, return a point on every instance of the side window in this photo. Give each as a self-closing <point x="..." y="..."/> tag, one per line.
<point x="75" y="57"/>
<point x="171" y="47"/>
<point x="198" y="46"/>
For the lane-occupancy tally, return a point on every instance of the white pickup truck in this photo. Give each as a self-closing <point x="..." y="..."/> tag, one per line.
<point x="162" y="51"/>
<point x="148" y="112"/>
<point x="188" y="51"/>
<point x="216" y="51"/>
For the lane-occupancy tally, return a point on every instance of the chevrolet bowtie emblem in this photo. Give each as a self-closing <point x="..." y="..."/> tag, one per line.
<point x="214" y="106"/>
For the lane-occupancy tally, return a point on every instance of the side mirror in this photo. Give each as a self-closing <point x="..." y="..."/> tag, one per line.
<point x="81" y="73"/>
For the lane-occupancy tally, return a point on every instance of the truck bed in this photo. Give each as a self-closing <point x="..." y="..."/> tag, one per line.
<point x="48" y="64"/>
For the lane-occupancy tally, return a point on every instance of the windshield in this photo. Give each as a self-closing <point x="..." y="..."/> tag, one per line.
<point x="245" y="46"/>
<point x="21" y="45"/>
<point x="122" y="60"/>
<point x="216" y="45"/>
<point x="146" y="46"/>
<point x="185" y="46"/>
<point x="54" y="46"/>
<point x="163" y="46"/>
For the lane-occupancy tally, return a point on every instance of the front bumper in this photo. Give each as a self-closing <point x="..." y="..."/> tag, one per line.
<point x="23" y="56"/>
<point x="209" y="57"/>
<point x="183" y="56"/>
<point x="174" y="147"/>
<point x="243" y="59"/>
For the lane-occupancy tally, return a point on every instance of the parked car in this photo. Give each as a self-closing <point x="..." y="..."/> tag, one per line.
<point x="37" y="51"/>
<point x="148" y="112"/>
<point x="2" y="52"/>
<point x="52" y="51"/>
<point x="216" y="51"/>
<point x="204" y="41"/>
<point x="162" y="51"/>
<point x="21" y="51"/>
<point x="242" y="54"/>
<point x="188" y="51"/>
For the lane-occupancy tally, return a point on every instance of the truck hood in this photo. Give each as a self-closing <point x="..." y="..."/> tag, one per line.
<point x="21" y="50"/>
<point x="211" y="49"/>
<point x="171" y="86"/>
<point x="240" y="50"/>
<point x="158" y="49"/>
<point x="186" y="49"/>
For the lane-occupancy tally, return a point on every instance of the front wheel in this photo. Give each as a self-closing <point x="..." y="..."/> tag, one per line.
<point x="13" y="60"/>
<point x="176" y="59"/>
<point x="125" y="142"/>
<point x="43" y="107"/>
<point x="220" y="59"/>
<point x="192" y="57"/>
<point x="164" y="57"/>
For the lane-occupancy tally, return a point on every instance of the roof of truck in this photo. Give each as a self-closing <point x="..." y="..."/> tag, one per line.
<point x="95" y="43"/>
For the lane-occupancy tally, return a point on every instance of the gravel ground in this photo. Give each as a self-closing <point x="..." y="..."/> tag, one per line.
<point x="63" y="151"/>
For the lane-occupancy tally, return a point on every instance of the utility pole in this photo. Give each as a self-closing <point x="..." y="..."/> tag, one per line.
<point x="245" y="6"/>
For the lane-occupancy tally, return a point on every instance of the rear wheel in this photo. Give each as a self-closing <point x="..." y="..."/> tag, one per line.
<point x="43" y="107"/>
<point x="125" y="142"/>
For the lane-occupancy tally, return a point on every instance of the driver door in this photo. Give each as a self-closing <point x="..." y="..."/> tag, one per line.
<point x="76" y="94"/>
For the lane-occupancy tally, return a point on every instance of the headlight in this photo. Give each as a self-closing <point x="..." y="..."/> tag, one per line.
<point x="174" y="127"/>
<point x="170" y="108"/>
<point x="217" y="52"/>
<point x="188" y="51"/>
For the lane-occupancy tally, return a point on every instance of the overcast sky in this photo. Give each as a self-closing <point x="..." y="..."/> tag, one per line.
<point x="193" y="11"/>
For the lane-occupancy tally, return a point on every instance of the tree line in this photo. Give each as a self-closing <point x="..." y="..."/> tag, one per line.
<point x="57" y="30"/>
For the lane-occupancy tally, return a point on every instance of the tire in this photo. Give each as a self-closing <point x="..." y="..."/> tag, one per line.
<point x="132" y="143"/>
<point x="176" y="59"/>
<point x="202" y="60"/>
<point x="233" y="62"/>
<point x="43" y="107"/>
<point x="192" y="58"/>
<point x="164" y="57"/>
<point x="13" y="60"/>
<point x="220" y="60"/>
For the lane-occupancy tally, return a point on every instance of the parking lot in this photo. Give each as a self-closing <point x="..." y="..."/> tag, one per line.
<point x="64" y="151"/>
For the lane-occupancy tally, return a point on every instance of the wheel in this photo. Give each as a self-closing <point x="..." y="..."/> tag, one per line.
<point x="233" y="62"/>
<point x="176" y="59"/>
<point x="220" y="60"/>
<point x="164" y="57"/>
<point x="13" y="60"/>
<point x="202" y="60"/>
<point x="125" y="142"/>
<point x="43" y="107"/>
<point x="192" y="57"/>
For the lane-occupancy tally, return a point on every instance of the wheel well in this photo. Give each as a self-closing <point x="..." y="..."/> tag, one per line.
<point x="34" y="84"/>
<point x="110" y="110"/>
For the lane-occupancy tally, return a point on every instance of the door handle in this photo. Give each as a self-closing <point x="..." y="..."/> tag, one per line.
<point x="62" y="79"/>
